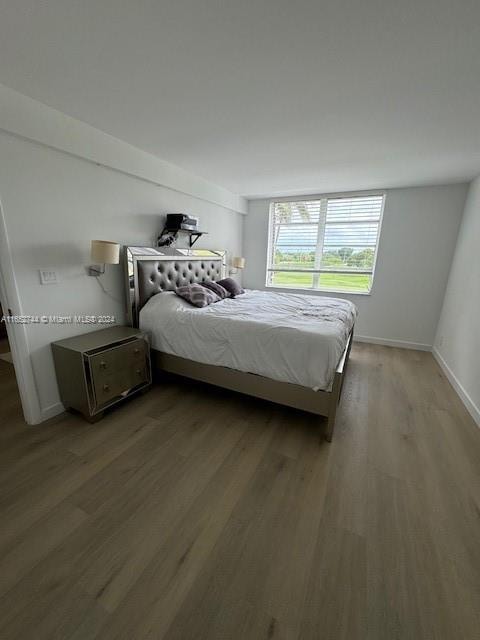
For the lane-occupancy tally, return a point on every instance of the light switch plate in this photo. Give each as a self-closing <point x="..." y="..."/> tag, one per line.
<point x="48" y="276"/>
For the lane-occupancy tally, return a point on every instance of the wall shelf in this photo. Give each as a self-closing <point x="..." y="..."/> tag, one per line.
<point x="193" y="236"/>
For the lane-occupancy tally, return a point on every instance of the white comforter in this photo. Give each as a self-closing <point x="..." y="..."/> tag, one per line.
<point x="284" y="336"/>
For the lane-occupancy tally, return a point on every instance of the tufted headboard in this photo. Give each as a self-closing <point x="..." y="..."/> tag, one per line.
<point x="150" y="271"/>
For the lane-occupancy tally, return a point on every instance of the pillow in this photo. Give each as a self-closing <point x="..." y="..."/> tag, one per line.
<point x="197" y="295"/>
<point x="216" y="288"/>
<point x="231" y="286"/>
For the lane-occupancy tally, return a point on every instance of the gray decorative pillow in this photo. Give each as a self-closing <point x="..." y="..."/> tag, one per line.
<point x="216" y="288"/>
<point x="197" y="295"/>
<point x="231" y="286"/>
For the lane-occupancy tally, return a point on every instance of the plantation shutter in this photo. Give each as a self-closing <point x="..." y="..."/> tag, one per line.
<point x="325" y="243"/>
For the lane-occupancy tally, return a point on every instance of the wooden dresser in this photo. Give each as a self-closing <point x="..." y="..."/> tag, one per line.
<point x="99" y="369"/>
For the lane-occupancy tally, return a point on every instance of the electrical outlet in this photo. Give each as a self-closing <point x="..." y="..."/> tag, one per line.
<point x="48" y="276"/>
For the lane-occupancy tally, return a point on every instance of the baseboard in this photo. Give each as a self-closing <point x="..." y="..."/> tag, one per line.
<point x="402" y="344"/>
<point x="52" y="411"/>
<point x="471" y="407"/>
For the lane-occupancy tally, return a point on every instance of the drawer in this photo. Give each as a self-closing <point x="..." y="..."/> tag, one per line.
<point x="123" y="356"/>
<point x="115" y="371"/>
<point x="120" y="382"/>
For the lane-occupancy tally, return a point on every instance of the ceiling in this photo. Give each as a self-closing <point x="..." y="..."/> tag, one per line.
<point x="264" y="97"/>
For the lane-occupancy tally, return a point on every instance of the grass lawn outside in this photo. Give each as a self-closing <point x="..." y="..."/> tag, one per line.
<point x="360" y="283"/>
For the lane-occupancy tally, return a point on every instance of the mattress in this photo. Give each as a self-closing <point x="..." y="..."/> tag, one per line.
<point x="283" y="336"/>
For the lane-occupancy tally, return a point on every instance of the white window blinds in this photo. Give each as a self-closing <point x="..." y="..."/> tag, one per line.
<point x="328" y="243"/>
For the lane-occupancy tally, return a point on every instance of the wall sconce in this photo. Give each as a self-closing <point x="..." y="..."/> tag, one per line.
<point x="237" y="263"/>
<point x="103" y="252"/>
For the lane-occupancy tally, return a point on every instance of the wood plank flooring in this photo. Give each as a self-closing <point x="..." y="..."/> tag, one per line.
<point x="195" y="513"/>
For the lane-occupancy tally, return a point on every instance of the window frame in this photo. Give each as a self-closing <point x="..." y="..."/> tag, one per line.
<point x="316" y="272"/>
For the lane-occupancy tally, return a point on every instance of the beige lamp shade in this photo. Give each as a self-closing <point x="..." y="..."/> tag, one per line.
<point x="105" y="252"/>
<point x="238" y="263"/>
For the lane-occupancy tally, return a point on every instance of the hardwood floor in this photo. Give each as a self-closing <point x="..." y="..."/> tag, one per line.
<point x="197" y="513"/>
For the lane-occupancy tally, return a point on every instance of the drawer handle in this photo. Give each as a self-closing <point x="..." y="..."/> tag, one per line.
<point x="139" y="372"/>
<point x="136" y="351"/>
<point x="103" y="364"/>
<point x="106" y="387"/>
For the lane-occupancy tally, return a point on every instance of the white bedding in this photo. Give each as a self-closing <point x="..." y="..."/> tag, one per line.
<point x="284" y="336"/>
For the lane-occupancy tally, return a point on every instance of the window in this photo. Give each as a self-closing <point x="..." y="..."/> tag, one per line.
<point x="329" y="243"/>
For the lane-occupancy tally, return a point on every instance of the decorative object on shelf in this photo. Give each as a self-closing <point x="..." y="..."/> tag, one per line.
<point x="237" y="263"/>
<point x="166" y="239"/>
<point x="179" y="221"/>
<point x="176" y="223"/>
<point x="103" y="252"/>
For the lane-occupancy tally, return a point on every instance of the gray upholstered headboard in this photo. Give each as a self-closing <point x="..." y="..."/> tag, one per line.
<point x="151" y="271"/>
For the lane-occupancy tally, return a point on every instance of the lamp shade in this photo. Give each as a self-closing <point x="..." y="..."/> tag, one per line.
<point x="238" y="263"/>
<point x="105" y="252"/>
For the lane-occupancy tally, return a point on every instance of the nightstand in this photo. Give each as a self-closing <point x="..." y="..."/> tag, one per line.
<point x="100" y="369"/>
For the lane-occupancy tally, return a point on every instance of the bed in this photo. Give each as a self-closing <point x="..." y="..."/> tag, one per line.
<point x="291" y="349"/>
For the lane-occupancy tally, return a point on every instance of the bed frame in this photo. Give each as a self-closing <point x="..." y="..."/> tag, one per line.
<point x="150" y="271"/>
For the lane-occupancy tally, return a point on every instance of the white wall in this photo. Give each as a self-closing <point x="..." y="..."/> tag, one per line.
<point x="54" y="203"/>
<point x="457" y="343"/>
<point x="33" y="120"/>
<point x="419" y="232"/>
